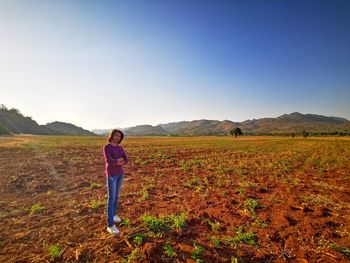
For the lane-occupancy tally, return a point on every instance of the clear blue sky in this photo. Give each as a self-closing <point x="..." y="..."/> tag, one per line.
<point x="105" y="64"/>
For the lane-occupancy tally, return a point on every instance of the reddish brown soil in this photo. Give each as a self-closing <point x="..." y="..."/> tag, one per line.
<point x="65" y="179"/>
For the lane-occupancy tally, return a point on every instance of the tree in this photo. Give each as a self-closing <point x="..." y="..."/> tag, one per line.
<point x="304" y="134"/>
<point x="237" y="131"/>
<point x="4" y="130"/>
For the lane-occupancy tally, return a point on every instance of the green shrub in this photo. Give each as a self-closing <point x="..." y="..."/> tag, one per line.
<point x="198" y="253"/>
<point x="36" y="208"/>
<point x="169" y="250"/>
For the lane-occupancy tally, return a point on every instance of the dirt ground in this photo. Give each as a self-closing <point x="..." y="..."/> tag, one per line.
<point x="246" y="200"/>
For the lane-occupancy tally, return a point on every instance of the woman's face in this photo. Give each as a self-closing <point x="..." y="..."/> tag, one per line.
<point x="117" y="137"/>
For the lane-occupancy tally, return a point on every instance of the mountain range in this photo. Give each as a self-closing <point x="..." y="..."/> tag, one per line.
<point x="13" y="122"/>
<point x="284" y="125"/>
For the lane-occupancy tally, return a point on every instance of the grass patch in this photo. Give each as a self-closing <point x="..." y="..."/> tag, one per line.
<point x="198" y="253"/>
<point x="157" y="225"/>
<point x="343" y="250"/>
<point x="145" y="192"/>
<point x="55" y="250"/>
<point x="169" y="250"/>
<point x="193" y="183"/>
<point x="126" y="222"/>
<point x="177" y="221"/>
<point x="96" y="203"/>
<point x="250" y="205"/>
<point x="214" y="225"/>
<point x="95" y="185"/>
<point x="241" y="237"/>
<point x="319" y="200"/>
<point x="138" y="238"/>
<point x="215" y="241"/>
<point x="162" y="224"/>
<point x="36" y="208"/>
<point x="260" y="223"/>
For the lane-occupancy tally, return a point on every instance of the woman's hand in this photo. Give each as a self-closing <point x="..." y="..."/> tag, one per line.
<point x="120" y="161"/>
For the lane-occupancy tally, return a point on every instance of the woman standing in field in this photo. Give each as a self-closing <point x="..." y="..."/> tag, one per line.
<point x="115" y="158"/>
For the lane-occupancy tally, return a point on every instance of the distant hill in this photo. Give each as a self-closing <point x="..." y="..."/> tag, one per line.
<point x="106" y="131"/>
<point x="101" y="131"/>
<point x="139" y="130"/>
<point x="146" y="130"/>
<point x="296" y="122"/>
<point x="14" y="122"/>
<point x="285" y="124"/>
<point x="67" y="128"/>
<point x="4" y="131"/>
<point x="199" y="127"/>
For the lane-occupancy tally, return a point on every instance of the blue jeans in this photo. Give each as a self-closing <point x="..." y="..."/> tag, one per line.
<point x="113" y="186"/>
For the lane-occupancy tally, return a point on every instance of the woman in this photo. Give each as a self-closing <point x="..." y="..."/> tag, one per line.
<point x="115" y="158"/>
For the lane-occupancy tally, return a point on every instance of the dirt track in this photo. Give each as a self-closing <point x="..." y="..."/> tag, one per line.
<point x="291" y="194"/>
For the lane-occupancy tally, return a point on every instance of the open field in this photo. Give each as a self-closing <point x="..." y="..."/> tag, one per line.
<point x="193" y="199"/>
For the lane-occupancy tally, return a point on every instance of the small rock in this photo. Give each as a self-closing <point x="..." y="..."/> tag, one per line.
<point x="185" y="247"/>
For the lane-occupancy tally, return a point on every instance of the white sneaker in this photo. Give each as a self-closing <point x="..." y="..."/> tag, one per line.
<point x="116" y="219"/>
<point x="113" y="230"/>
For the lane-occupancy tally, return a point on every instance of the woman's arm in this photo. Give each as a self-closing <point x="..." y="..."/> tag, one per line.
<point x="107" y="155"/>
<point x="125" y="157"/>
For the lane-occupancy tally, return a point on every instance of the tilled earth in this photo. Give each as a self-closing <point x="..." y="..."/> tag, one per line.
<point x="245" y="200"/>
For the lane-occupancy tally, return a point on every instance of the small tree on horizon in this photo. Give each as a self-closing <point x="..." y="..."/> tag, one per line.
<point x="237" y="131"/>
<point x="304" y="134"/>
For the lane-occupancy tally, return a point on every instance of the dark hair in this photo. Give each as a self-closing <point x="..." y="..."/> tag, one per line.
<point x="114" y="131"/>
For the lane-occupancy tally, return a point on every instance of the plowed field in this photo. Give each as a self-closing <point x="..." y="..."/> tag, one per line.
<point x="193" y="199"/>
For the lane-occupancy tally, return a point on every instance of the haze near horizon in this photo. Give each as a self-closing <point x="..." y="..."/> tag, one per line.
<point x="111" y="64"/>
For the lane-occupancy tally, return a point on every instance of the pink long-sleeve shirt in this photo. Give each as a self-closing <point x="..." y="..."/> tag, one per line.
<point x="111" y="155"/>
